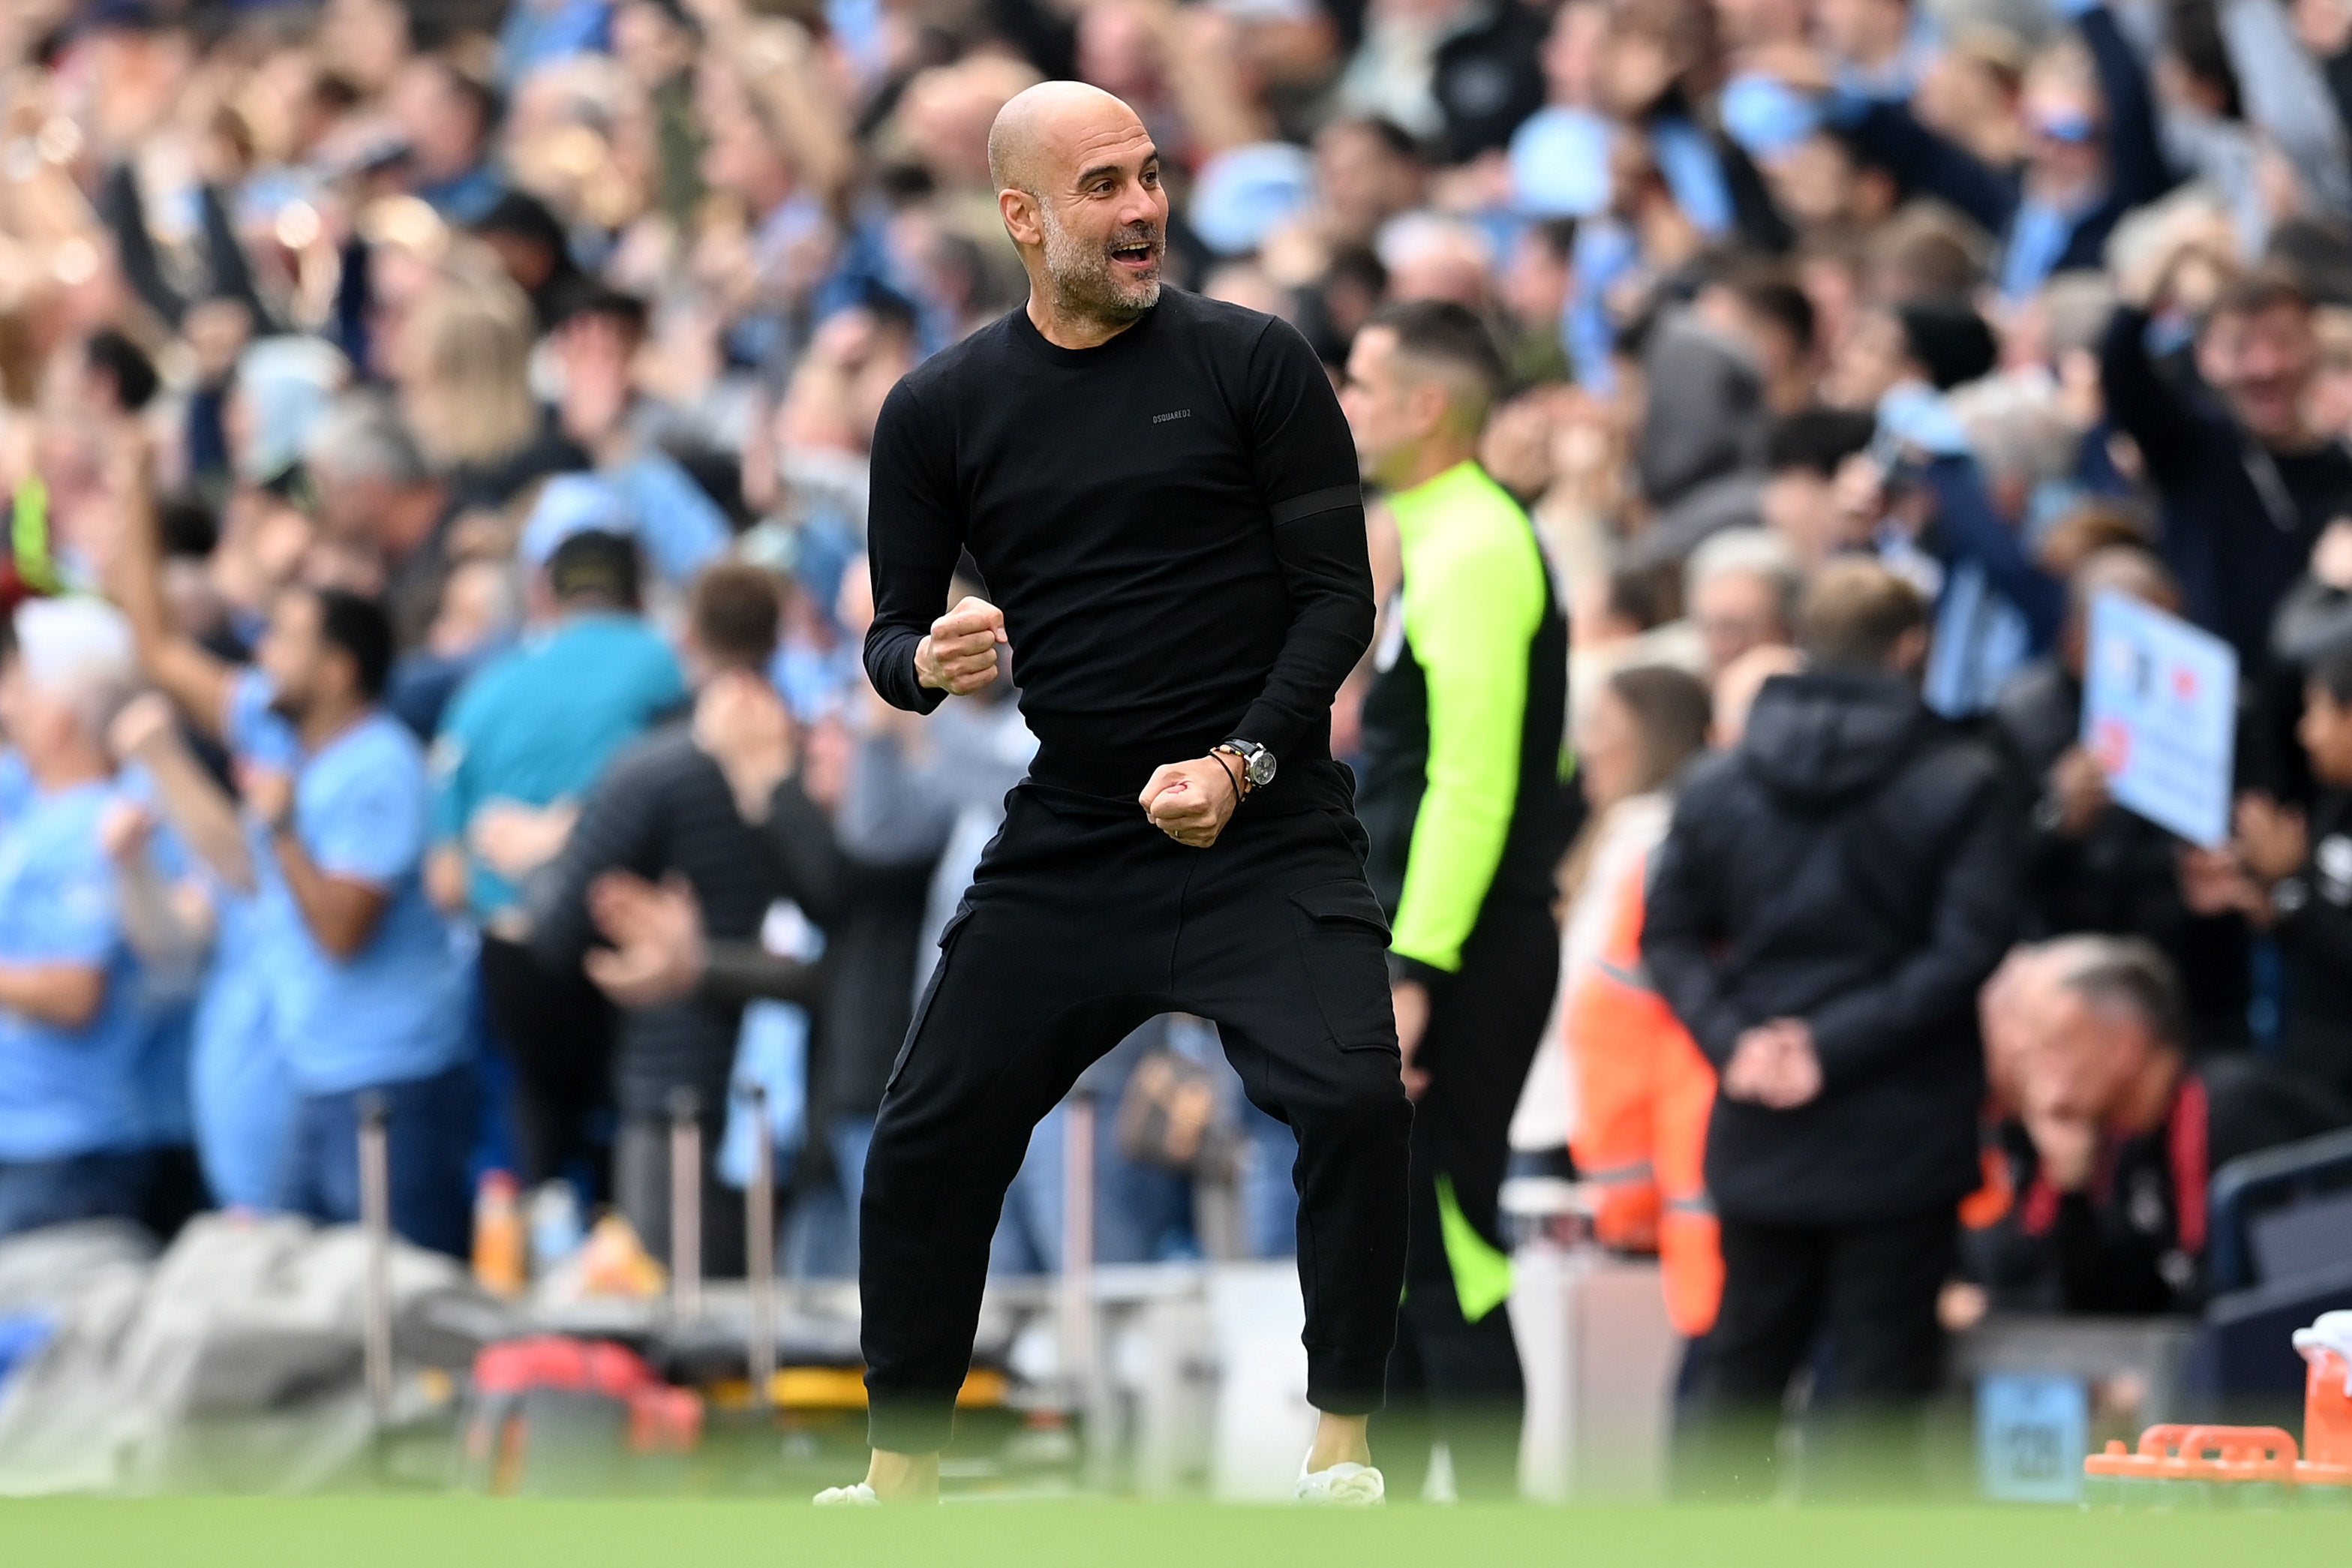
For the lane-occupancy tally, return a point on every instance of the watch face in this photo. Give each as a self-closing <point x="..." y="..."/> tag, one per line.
<point x="1261" y="768"/>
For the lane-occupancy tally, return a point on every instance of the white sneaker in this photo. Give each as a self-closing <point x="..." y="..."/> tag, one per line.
<point x="858" y="1496"/>
<point x="1344" y="1485"/>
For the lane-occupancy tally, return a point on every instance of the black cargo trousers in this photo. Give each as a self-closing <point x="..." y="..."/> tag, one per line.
<point x="1083" y="921"/>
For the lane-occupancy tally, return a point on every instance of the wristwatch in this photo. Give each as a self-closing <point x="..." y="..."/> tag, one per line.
<point x="1257" y="763"/>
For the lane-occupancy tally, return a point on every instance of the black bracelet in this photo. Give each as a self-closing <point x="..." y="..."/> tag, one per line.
<point x="1239" y="795"/>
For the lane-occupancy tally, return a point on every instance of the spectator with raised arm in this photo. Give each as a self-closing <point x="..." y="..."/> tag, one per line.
<point x="367" y="990"/>
<point x="2093" y="151"/>
<point x="206" y="910"/>
<point x="2247" y="484"/>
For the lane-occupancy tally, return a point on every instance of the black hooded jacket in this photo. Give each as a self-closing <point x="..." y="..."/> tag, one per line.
<point x="1851" y="865"/>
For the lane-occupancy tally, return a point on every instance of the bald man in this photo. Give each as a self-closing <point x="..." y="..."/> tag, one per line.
<point x="1162" y="498"/>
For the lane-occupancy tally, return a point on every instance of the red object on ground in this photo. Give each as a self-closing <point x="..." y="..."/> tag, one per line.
<point x="2327" y="1411"/>
<point x="661" y="1419"/>
<point x="553" y="1361"/>
<point x="664" y="1420"/>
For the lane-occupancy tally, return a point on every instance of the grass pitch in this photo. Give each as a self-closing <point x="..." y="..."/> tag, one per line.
<point x="460" y="1532"/>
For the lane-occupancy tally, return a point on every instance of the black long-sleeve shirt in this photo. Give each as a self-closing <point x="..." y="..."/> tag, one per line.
<point x="1171" y="522"/>
<point x="663" y="806"/>
<point x="227" y="272"/>
<point x="2239" y="522"/>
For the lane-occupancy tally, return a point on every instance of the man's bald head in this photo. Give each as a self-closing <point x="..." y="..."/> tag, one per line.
<point x="1078" y="183"/>
<point x="2125" y="569"/>
<point x="2131" y="570"/>
<point x="1050" y="117"/>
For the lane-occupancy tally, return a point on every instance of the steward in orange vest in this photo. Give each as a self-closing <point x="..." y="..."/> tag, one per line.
<point x="1644" y="1092"/>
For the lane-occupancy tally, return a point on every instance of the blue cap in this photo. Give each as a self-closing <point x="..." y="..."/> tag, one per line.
<point x="1916" y="414"/>
<point x="570" y="504"/>
<point x="1244" y="193"/>
<point x="1766" y="116"/>
<point x="288" y="382"/>
<point x="1560" y="164"/>
<point x="2070" y="126"/>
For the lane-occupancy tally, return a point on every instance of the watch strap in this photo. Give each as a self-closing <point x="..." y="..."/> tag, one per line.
<point x="1243" y="787"/>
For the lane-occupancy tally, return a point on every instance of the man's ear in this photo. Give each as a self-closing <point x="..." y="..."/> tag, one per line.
<point x="347" y="669"/>
<point x="1430" y="403"/>
<point x="1909" y="655"/>
<point x="1021" y="218"/>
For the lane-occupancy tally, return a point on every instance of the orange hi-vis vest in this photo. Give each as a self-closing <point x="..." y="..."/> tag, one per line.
<point x="1644" y="1096"/>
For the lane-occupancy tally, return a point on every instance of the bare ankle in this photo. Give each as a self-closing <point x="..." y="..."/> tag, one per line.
<point x="1340" y="1441"/>
<point x="903" y="1478"/>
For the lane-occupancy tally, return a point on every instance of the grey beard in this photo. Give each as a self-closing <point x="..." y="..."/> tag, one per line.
<point x="1084" y="284"/>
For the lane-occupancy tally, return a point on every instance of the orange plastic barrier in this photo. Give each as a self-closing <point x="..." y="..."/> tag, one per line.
<point x="2262" y="1457"/>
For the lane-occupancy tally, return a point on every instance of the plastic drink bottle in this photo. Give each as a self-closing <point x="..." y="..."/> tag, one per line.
<point x="498" y="1240"/>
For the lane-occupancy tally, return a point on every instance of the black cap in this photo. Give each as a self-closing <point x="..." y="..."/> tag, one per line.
<point x="591" y="298"/>
<point x="1949" y="340"/>
<point x="525" y="216"/>
<point x="122" y="16"/>
<point x="595" y="562"/>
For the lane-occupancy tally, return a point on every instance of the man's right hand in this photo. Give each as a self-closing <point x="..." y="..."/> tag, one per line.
<point x="2273" y="841"/>
<point x="2066" y="1148"/>
<point x="741" y="723"/>
<point x="2149" y="281"/>
<point x="2079" y="785"/>
<point x="514" y="839"/>
<point x="658" y="953"/>
<point x="960" y="655"/>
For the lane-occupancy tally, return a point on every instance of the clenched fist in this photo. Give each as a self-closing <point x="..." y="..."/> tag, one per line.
<point x="960" y="655"/>
<point x="1192" y="801"/>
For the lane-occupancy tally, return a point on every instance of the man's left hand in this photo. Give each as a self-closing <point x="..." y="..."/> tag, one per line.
<point x="1192" y="801"/>
<point x="1775" y="1066"/>
<point x="269" y="794"/>
<point x="1411" y="1000"/>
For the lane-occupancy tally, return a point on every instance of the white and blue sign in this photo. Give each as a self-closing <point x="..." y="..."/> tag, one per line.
<point x="2160" y="713"/>
<point x="2031" y="1434"/>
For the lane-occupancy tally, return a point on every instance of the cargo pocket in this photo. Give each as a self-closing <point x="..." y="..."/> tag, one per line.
<point x="930" y="990"/>
<point x="1343" y="940"/>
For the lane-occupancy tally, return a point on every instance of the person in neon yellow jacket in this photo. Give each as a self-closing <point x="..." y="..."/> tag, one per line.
<point x="1464" y="797"/>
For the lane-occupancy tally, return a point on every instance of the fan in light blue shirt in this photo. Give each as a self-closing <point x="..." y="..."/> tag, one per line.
<point x="241" y="1093"/>
<point x="394" y="1010"/>
<point x="367" y="988"/>
<point x="74" y="1128"/>
<point x="66" y="1087"/>
<point x="535" y="728"/>
<point x="237" y="1094"/>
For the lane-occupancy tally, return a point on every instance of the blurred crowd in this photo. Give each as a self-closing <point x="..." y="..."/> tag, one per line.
<point x="436" y="435"/>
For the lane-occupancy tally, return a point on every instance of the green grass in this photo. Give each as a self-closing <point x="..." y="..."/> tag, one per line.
<point x="364" y="1532"/>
